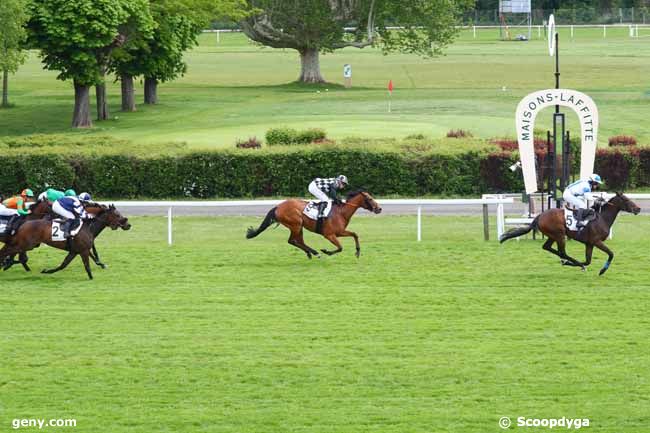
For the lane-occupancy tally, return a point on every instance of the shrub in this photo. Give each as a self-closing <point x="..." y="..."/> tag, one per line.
<point x="251" y="143"/>
<point x="622" y="140"/>
<point x="286" y="136"/>
<point x="415" y="137"/>
<point x="618" y="169"/>
<point x="459" y="133"/>
<point x="310" y="136"/>
<point x="275" y="136"/>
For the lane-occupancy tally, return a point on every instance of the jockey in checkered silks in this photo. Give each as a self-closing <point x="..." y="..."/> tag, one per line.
<point x="326" y="190"/>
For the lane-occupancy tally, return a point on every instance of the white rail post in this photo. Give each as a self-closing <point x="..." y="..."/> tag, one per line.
<point x="419" y="223"/>
<point x="474" y="27"/>
<point x="169" y="225"/>
<point x="539" y="32"/>
<point x="500" y="219"/>
<point x="572" y="32"/>
<point x="604" y="31"/>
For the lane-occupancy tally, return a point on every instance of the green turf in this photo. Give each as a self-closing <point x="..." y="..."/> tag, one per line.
<point x="236" y="89"/>
<point x="220" y="334"/>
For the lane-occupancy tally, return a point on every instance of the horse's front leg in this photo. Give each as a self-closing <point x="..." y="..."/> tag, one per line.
<point x="333" y="239"/>
<point x="356" y="240"/>
<point x="610" y="256"/>
<point x="95" y="256"/>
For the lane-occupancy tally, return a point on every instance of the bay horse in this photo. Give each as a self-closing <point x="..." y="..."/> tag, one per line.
<point x="290" y="214"/>
<point x="552" y="224"/>
<point x="32" y="233"/>
<point x="40" y="209"/>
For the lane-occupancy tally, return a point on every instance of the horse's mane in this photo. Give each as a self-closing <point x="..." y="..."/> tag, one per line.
<point x="355" y="193"/>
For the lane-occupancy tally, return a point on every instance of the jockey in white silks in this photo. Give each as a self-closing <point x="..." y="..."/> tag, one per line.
<point x="577" y="196"/>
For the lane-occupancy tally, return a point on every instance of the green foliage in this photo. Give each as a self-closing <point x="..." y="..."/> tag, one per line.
<point x="13" y="16"/>
<point x="286" y="136"/>
<point x="77" y="36"/>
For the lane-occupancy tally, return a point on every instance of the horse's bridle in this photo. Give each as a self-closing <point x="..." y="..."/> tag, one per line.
<point x="366" y="201"/>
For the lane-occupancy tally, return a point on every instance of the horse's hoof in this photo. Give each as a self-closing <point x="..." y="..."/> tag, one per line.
<point x="583" y="269"/>
<point x="602" y="271"/>
<point x="563" y="262"/>
<point x="358" y="254"/>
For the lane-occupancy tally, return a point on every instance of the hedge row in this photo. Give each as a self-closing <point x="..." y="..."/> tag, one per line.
<point x="254" y="174"/>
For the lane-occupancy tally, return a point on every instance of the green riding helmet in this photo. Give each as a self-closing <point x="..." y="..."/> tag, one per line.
<point x="70" y="193"/>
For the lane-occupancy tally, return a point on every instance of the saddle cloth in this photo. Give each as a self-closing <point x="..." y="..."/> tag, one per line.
<point x="571" y="221"/>
<point x="311" y="210"/>
<point x="57" y="230"/>
<point x="3" y="224"/>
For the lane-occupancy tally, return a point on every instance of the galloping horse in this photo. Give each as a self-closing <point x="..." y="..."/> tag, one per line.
<point x="552" y="224"/>
<point x="32" y="233"/>
<point x="289" y="214"/>
<point x="38" y="210"/>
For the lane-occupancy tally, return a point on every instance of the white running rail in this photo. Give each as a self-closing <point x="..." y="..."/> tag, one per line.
<point x="418" y="204"/>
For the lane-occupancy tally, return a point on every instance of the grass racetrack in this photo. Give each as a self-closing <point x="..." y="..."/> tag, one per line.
<point x="220" y="334"/>
<point x="235" y="90"/>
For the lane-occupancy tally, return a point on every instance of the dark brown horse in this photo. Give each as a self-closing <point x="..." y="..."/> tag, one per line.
<point x="552" y="224"/>
<point x="289" y="214"/>
<point x="38" y="210"/>
<point x="32" y="233"/>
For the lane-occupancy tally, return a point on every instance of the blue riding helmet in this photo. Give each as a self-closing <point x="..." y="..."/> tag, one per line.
<point x="84" y="196"/>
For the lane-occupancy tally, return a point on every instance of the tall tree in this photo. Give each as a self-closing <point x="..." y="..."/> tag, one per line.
<point x="315" y="26"/>
<point x="77" y="38"/>
<point x="13" y="17"/>
<point x="160" y="58"/>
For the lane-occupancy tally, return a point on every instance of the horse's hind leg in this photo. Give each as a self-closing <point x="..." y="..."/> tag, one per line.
<point x="62" y="266"/>
<point x="296" y="239"/>
<point x="23" y="261"/>
<point x="570" y="261"/>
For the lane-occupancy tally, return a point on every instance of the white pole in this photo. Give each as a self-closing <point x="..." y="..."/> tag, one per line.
<point x="169" y="226"/>
<point x="604" y="32"/>
<point x="571" y="32"/>
<point x="474" y="27"/>
<point x="500" y="219"/>
<point x="539" y="32"/>
<point x="218" y="36"/>
<point x="419" y="223"/>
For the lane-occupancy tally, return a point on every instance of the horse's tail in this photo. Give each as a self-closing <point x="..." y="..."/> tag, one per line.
<point x="270" y="219"/>
<point x="519" y="231"/>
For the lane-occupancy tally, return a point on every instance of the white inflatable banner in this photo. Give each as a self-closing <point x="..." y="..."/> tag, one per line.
<point x="527" y="111"/>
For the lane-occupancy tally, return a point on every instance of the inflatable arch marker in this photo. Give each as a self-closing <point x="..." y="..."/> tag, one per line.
<point x="527" y="111"/>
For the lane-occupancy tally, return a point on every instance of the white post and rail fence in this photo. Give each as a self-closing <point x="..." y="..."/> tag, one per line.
<point x="497" y="200"/>
<point x="418" y="205"/>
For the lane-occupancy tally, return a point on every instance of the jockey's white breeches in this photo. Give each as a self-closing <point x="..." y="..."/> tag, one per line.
<point x="316" y="192"/>
<point x="575" y="202"/>
<point x="59" y="210"/>
<point x="6" y="212"/>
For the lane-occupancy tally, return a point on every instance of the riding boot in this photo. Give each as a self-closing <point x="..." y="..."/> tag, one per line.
<point x="14" y="224"/>
<point x="67" y="228"/>
<point x="319" y="221"/>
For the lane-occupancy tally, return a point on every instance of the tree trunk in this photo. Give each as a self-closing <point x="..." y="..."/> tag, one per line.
<point x="102" y="105"/>
<point x="81" y="116"/>
<point x="128" y="93"/>
<point x="310" y="66"/>
<point x="150" y="90"/>
<point x="5" y="88"/>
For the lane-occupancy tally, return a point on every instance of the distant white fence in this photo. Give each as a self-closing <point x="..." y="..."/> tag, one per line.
<point x="632" y="29"/>
<point x="417" y="204"/>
